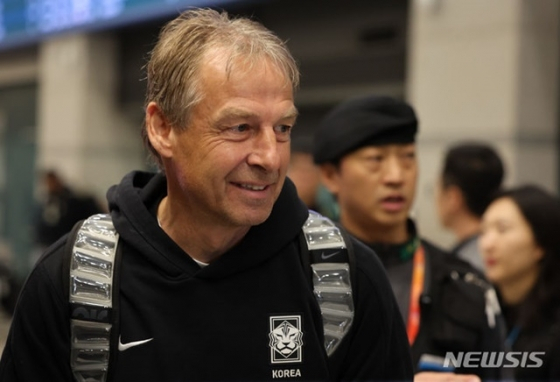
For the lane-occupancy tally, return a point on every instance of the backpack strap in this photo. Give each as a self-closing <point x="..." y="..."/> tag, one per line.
<point x="91" y="254"/>
<point x="331" y="261"/>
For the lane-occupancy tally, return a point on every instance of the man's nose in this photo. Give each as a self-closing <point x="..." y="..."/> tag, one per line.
<point x="265" y="151"/>
<point x="393" y="172"/>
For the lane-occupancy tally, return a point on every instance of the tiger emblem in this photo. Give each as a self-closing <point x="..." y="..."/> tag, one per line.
<point x="286" y="340"/>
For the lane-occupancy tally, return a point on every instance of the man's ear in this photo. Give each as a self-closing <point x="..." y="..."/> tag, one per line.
<point x="330" y="177"/>
<point x="455" y="197"/>
<point x="538" y="254"/>
<point x="159" y="130"/>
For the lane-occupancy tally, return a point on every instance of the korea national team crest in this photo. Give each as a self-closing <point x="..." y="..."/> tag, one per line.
<point x="285" y="339"/>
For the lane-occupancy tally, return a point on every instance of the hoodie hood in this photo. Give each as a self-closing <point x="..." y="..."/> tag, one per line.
<point x="132" y="201"/>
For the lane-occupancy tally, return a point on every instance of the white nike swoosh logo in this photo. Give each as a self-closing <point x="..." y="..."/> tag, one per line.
<point x="325" y="257"/>
<point x="128" y="345"/>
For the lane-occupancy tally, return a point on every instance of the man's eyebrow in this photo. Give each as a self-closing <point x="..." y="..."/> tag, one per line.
<point x="291" y="114"/>
<point x="232" y="112"/>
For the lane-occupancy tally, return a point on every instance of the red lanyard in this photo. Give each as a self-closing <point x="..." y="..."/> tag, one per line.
<point x="413" y="323"/>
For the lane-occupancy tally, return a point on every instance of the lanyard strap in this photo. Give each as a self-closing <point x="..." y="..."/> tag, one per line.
<point x="512" y="337"/>
<point x="413" y="322"/>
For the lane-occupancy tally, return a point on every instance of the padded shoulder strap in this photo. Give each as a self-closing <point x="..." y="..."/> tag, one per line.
<point x="92" y="264"/>
<point x="331" y="273"/>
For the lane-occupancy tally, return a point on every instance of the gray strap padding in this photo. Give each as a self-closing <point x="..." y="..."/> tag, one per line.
<point x="331" y="280"/>
<point x="91" y="282"/>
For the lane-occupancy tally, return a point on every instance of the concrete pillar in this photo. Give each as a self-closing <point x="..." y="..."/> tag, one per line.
<point x="82" y="131"/>
<point x="484" y="70"/>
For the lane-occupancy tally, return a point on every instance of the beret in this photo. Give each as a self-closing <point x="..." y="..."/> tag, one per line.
<point x="363" y="121"/>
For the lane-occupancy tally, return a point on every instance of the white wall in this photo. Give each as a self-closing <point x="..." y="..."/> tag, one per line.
<point x="484" y="70"/>
<point x="83" y="132"/>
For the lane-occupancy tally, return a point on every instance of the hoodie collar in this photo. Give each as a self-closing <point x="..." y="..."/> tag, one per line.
<point x="132" y="204"/>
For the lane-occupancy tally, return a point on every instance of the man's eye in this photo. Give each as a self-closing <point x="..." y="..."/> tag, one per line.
<point x="240" y="128"/>
<point x="408" y="159"/>
<point x="374" y="158"/>
<point x="283" y="132"/>
<point x="283" y="129"/>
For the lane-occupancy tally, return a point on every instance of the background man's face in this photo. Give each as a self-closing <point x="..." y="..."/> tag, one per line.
<point x="375" y="185"/>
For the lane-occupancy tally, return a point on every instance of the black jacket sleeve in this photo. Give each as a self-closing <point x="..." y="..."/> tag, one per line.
<point x="377" y="348"/>
<point x="37" y="348"/>
<point x="462" y="314"/>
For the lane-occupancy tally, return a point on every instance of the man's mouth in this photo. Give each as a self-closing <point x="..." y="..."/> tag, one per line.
<point x="393" y="203"/>
<point x="251" y="187"/>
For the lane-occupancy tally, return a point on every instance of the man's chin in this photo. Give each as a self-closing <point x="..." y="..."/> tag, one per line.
<point x="394" y="220"/>
<point x="253" y="218"/>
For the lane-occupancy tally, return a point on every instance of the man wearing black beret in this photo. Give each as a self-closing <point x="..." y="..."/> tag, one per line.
<point x="366" y="150"/>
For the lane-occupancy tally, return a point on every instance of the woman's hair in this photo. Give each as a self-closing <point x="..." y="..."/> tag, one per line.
<point x="541" y="210"/>
<point x="173" y="70"/>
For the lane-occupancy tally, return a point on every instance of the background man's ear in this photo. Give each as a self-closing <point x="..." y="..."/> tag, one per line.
<point x="159" y="130"/>
<point x="456" y="197"/>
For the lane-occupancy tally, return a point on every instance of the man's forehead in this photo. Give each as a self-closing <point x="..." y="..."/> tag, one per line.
<point x="388" y="147"/>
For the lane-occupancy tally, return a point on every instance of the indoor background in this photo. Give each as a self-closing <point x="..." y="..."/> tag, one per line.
<point x="71" y="85"/>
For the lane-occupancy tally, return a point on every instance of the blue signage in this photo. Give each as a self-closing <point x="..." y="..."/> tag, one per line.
<point x="27" y="21"/>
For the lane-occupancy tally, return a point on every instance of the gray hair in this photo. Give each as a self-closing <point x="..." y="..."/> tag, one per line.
<point x="173" y="67"/>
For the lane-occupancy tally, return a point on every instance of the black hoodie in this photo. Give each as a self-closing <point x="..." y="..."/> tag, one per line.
<point x="212" y="323"/>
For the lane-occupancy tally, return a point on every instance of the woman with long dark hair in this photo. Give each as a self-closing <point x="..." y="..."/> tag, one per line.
<point x="520" y="244"/>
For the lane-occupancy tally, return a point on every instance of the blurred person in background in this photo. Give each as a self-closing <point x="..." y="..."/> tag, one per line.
<point x="307" y="178"/>
<point x="366" y="149"/>
<point x="304" y="172"/>
<point x="210" y="280"/>
<point x="9" y="289"/>
<point x="520" y="245"/>
<point x="472" y="173"/>
<point x="60" y="209"/>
